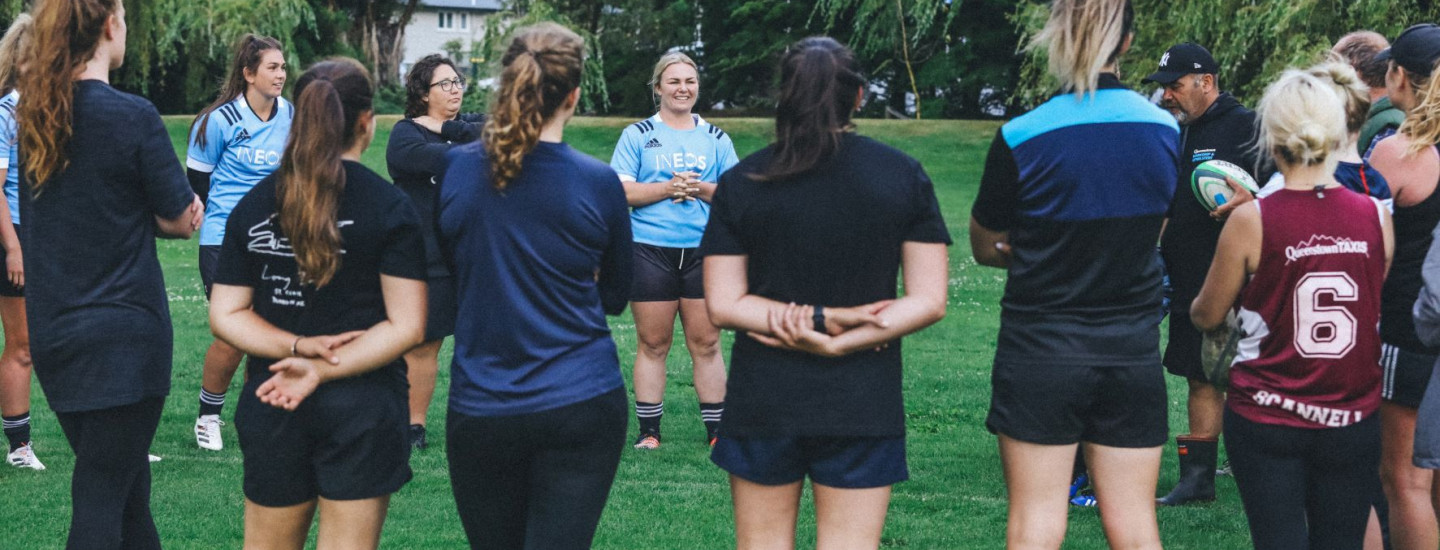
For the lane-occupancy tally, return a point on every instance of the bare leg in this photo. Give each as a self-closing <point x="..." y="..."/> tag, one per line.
<point x="351" y="524"/>
<point x="221" y="361"/>
<point x="422" y="365"/>
<point x="1206" y="408"/>
<point x="15" y="364"/>
<point x="765" y="514"/>
<point x="849" y="519"/>
<point x="703" y="340"/>
<point x="1125" y="489"/>
<point x="1037" y="478"/>
<point x="655" y="329"/>
<point x="1407" y="488"/>
<point x="283" y="528"/>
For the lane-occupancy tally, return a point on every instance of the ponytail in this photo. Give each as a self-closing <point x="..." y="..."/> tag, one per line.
<point x="65" y="36"/>
<point x="541" y="67"/>
<point x="819" y="78"/>
<point x="249" y="51"/>
<point x="330" y="97"/>
<point x="1082" y="37"/>
<point x="14" y="47"/>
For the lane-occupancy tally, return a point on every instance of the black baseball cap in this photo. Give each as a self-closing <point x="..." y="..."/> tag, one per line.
<point x="1183" y="59"/>
<point x="1416" y="49"/>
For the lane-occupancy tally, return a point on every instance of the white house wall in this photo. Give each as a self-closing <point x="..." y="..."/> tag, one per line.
<point x="423" y="36"/>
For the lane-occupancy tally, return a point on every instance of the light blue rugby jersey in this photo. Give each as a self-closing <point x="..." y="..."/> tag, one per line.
<point x="651" y="152"/>
<point x="240" y="150"/>
<point x="10" y="161"/>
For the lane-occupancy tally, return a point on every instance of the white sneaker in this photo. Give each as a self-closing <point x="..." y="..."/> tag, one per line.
<point x="24" y="457"/>
<point x="207" y="432"/>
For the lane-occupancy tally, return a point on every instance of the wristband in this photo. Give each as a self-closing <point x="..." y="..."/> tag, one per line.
<point x="295" y="344"/>
<point x="819" y="319"/>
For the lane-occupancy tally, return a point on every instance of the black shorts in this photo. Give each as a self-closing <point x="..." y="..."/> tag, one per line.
<point x="840" y="462"/>
<point x="1062" y="405"/>
<point x="440" y="319"/>
<point x="347" y="441"/>
<point x="1182" y="354"/>
<point x="209" y="264"/>
<point x="1406" y="375"/>
<point x="666" y="274"/>
<point x="6" y="289"/>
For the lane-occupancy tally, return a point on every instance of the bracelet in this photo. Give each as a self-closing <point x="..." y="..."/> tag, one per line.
<point x="295" y="344"/>
<point x="819" y="319"/>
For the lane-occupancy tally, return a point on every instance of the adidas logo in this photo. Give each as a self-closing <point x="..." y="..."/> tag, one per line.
<point x="242" y="137"/>
<point x="653" y="143"/>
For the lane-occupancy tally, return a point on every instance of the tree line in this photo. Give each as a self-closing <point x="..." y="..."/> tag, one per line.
<point x="931" y="58"/>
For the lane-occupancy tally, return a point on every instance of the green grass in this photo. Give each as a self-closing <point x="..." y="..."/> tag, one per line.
<point x="672" y="498"/>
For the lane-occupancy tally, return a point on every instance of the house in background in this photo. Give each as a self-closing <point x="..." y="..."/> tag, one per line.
<point x="438" y="22"/>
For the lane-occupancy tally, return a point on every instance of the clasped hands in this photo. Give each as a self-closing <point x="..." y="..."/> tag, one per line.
<point x="792" y="327"/>
<point x="297" y="377"/>
<point x="684" y="186"/>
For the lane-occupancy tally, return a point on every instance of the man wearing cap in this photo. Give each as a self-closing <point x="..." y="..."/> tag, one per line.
<point x="1213" y="125"/>
<point x="1408" y="434"/>
<point x="1361" y="49"/>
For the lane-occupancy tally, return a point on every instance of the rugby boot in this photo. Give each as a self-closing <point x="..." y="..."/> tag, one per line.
<point x="1197" y="471"/>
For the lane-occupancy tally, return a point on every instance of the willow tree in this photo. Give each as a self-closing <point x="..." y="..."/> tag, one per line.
<point x="901" y="34"/>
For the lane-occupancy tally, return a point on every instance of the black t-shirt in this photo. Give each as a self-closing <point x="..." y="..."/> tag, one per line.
<point x="99" y="318"/>
<point x="831" y="237"/>
<point x="380" y="233"/>
<point x="415" y="158"/>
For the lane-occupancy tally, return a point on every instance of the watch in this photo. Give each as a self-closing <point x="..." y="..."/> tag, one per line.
<point x="819" y="319"/>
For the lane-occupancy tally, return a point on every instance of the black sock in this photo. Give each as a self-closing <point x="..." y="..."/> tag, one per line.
<point x="211" y="403"/>
<point x="17" y="429"/>
<point x="710" y="414"/>
<point x="649" y="416"/>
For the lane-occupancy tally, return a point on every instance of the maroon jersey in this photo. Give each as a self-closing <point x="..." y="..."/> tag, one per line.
<point x="1309" y="317"/>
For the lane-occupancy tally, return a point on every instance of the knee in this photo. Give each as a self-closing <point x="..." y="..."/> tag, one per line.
<point x="707" y="345"/>
<point x="18" y="354"/>
<point x="1403" y="481"/>
<point x="655" y="348"/>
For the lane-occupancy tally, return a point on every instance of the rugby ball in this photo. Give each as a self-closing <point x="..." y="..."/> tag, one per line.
<point x="1208" y="182"/>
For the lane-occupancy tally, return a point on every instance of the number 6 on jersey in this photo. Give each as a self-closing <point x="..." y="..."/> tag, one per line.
<point x="1326" y="332"/>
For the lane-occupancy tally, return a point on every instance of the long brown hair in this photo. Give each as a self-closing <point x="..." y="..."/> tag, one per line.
<point x="819" y="78"/>
<point x="329" y="99"/>
<point x="249" y="50"/>
<point x="13" y="48"/>
<point x="65" y="36"/>
<point x="542" y="66"/>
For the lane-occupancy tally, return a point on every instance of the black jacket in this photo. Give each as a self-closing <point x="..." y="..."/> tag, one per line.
<point x="1226" y="132"/>
<point x="415" y="158"/>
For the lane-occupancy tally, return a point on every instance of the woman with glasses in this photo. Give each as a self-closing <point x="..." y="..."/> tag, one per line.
<point x="416" y="160"/>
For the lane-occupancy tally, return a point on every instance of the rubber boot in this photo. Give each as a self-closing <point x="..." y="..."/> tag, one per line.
<point x="1197" y="471"/>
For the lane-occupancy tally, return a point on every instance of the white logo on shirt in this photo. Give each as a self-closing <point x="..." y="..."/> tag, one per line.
<point x="258" y="157"/>
<point x="682" y="161"/>
<point x="1321" y="245"/>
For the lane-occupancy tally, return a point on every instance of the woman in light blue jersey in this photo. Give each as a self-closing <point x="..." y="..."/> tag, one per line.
<point x="15" y="367"/>
<point x="670" y="163"/>
<point x="234" y="143"/>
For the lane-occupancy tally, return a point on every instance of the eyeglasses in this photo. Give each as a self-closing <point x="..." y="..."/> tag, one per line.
<point x="454" y="84"/>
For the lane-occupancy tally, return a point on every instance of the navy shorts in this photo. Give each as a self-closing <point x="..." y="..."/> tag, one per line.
<point x="666" y="274"/>
<point x="1406" y="375"/>
<point x="840" y="462"/>
<point x="6" y="289"/>
<point x="1062" y="405"/>
<point x="209" y="264"/>
<point x="440" y="319"/>
<point x="347" y="441"/>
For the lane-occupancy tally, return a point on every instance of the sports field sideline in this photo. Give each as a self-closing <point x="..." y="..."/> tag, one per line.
<point x="672" y="498"/>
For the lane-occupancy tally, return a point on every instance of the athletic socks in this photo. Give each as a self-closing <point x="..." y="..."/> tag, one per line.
<point x="649" y="416"/>
<point x="17" y="430"/>
<point x="211" y="403"/>
<point x="710" y="414"/>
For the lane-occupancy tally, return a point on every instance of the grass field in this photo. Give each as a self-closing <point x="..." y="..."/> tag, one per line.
<point x="673" y="498"/>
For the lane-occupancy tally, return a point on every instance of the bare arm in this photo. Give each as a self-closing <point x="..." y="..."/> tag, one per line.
<point x="1236" y="255"/>
<point x="990" y="248"/>
<point x="645" y="194"/>
<point x="14" y="258"/>
<point x="1412" y="178"/>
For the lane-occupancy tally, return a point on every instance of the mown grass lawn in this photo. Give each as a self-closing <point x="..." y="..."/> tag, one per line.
<point x="672" y="498"/>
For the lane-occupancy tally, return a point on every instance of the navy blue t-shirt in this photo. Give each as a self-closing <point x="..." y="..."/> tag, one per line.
<point x="379" y="235"/>
<point x="99" y="316"/>
<point x="537" y="267"/>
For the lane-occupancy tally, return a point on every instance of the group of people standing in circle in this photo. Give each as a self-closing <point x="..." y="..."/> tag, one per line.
<point x="339" y="287"/>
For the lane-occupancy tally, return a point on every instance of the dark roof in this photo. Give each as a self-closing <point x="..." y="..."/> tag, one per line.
<point x="468" y="5"/>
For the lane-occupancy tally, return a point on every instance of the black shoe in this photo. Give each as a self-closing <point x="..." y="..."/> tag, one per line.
<point x="1197" y="472"/>
<point x="417" y="436"/>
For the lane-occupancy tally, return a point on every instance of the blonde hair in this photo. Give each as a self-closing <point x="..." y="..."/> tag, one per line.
<point x="1302" y="120"/>
<point x="541" y="67"/>
<point x="1082" y="37"/>
<point x="665" y="62"/>
<point x="13" y="47"/>
<point x="1422" y="123"/>
<point x="1352" y="91"/>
